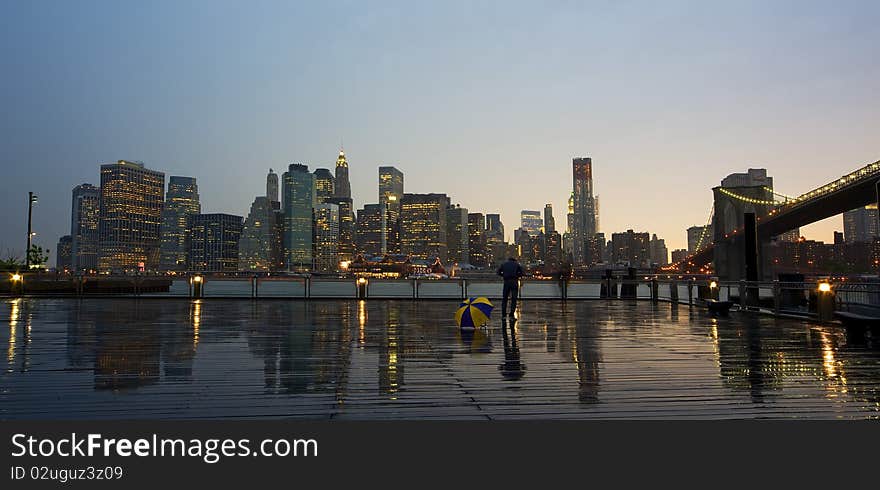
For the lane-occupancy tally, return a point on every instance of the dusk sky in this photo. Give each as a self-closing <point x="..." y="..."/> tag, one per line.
<point x="485" y="101"/>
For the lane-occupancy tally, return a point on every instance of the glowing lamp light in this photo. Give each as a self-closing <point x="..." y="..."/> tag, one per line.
<point x="197" y="279"/>
<point x="344" y="264"/>
<point x="824" y="287"/>
<point x="713" y="285"/>
<point x="16" y="277"/>
<point x="362" y="281"/>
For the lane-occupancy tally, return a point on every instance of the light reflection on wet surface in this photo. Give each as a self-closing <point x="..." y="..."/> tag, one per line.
<point x="123" y="358"/>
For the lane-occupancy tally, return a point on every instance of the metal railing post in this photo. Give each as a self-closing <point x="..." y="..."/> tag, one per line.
<point x="654" y="290"/>
<point x="777" y="297"/>
<point x="742" y="293"/>
<point x="691" y="292"/>
<point x="673" y="291"/>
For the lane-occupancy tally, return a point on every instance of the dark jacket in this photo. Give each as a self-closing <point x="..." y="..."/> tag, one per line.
<point x="510" y="271"/>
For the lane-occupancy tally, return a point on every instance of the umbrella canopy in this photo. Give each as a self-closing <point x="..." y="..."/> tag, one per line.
<point x="473" y="312"/>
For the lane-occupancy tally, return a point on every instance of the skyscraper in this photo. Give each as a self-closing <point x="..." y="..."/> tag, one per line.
<point x="423" y="226"/>
<point x="324" y="185"/>
<point x="63" y="253"/>
<point x="531" y="222"/>
<point x="272" y="186"/>
<point x="549" y="221"/>
<point x="181" y="202"/>
<point x="346" y="246"/>
<point x="369" y="229"/>
<point x="494" y="228"/>
<point x="84" y="219"/>
<point x="260" y="246"/>
<point x="496" y="248"/>
<point x="130" y="216"/>
<point x="631" y="247"/>
<point x="860" y="224"/>
<point x="457" y="243"/>
<point x="298" y="201"/>
<point x="658" y="250"/>
<point x="342" y="184"/>
<point x="584" y="217"/>
<point x="477" y="244"/>
<point x="213" y="242"/>
<point x="326" y="237"/>
<point x="390" y="193"/>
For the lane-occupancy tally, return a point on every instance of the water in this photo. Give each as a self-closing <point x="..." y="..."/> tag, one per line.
<point x="386" y="359"/>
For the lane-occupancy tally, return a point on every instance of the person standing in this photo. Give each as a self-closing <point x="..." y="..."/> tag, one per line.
<point x="510" y="271"/>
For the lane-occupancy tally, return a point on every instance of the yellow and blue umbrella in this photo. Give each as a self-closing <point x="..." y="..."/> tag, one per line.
<point x="473" y="312"/>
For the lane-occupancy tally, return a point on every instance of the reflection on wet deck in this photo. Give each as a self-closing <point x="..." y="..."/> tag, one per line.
<point x="126" y="358"/>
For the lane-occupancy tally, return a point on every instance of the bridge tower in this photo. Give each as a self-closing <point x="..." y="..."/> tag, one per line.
<point x="731" y="206"/>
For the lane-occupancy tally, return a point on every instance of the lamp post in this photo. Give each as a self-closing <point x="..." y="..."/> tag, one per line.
<point x="27" y="252"/>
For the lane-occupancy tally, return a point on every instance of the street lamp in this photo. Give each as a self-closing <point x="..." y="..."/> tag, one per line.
<point x="32" y="199"/>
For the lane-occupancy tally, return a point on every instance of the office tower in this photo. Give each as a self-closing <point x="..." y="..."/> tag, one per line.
<point x="181" y="202"/>
<point x="477" y="243"/>
<point x="326" y="237"/>
<point x="549" y="221"/>
<point x="346" y="248"/>
<point x="752" y="178"/>
<point x="423" y="226"/>
<point x="860" y="224"/>
<point x="584" y="216"/>
<point x="130" y="216"/>
<point x="595" y="249"/>
<point x="693" y="238"/>
<point x="298" y="201"/>
<point x="342" y="185"/>
<point x="390" y="193"/>
<point x="369" y="230"/>
<point x="631" y="248"/>
<point x="260" y="246"/>
<point x="838" y="238"/>
<point x="84" y="219"/>
<point x="552" y="251"/>
<point x="659" y="252"/>
<point x="494" y="228"/>
<point x="213" y="242"/>
<point x="272" y="186"/>
<point x="679" y="255"/>
<point x="325" y="185"/>
<point x="63" y="253"/>
<point x="531" y="222"/>
<point x="457" y="249"/>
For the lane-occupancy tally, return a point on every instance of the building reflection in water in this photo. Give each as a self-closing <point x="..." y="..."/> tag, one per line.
<point x="587" y="356"/>
<point x="512" y="368"/>
<point x="19" y="344"/>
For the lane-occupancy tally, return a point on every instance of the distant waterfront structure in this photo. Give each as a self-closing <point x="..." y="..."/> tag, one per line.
<point x="213" y="242"/>
<point x="457" y="240"/>
<point x="369" y="230"/>
<point x="531" y="222"/>
<point x="130" y="216"/>
<point x="324" y="185"/>
<point x="342" y="184"/>
<point x="390" y="194"/>
<point x="84" y="221"/>
<point x="181" y="202"/>
<point x="326" y="237"/>
<point x="860" y="225"/>
<point x="63" y="253"/>
<point x="584" y="215"/>
<point x="549" y="221"/>
<point x="477" y="243"/>
<point x="260" y="246"/>
<point x="423" y="226"/>
<point x="272" y="186"/>
<point x="298" y="201"/>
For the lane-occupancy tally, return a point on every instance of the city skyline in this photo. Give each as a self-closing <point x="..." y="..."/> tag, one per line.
<point x="796" y="99"/>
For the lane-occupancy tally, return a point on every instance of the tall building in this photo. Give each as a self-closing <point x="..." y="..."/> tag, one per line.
<point x="213" y="242"/>
<point x="531" y="222"/>
<point x="552" y="251"/>
<point x="549" y="221"/>
<point x="342" y="184"/>
<point x="325" y="185"/>
<point x="181" y="202"/>
<point x="631" y="247"/>
<point x="659" y="252"/>
<point x="298" y="201"/>
<point x="346" y="247"/>
<point x="496" y="248"/>
<point x="423" y="226"/>
<point x="272" y="186"/>
<point x="584" y="216"/>
<point x="260" y="246"/>
<point x="390" y="193"/>
<point x="679" y="255"/>
<point x="494" y="228"/>
<point x="84" y="220"/>
<point x="693" y="237"/>
<point x="130" y="216"/>
<point x="860" y="224"/>
<point x="326" y="237"/>
<point x="63" y="253"/>
<point x="477" y="244"/>
<point x="457" y="240"/>
<point x="369" y="230"/>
